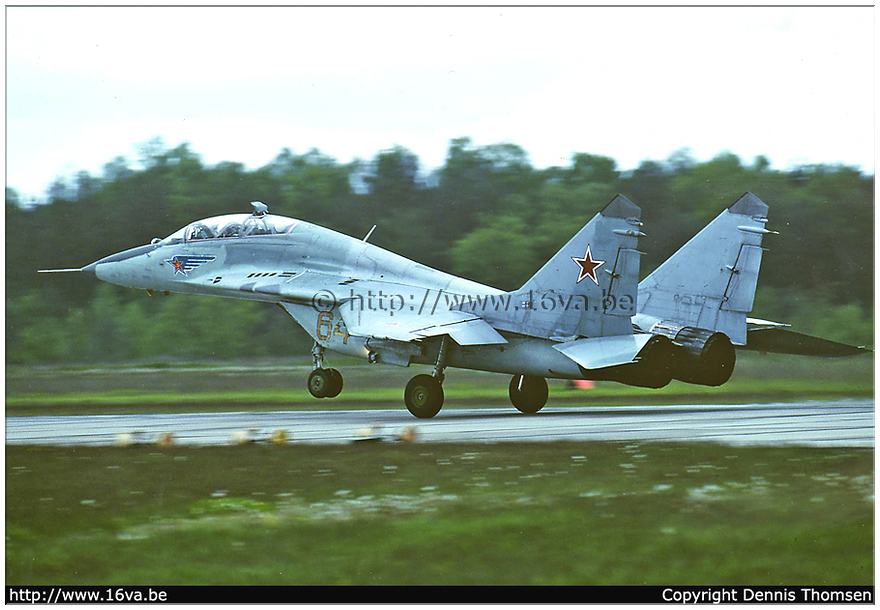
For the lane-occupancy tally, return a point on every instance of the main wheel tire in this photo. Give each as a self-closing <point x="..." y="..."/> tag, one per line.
<point x="335" y="383"/>
<point x="320" y="383"/>
<point x="423" y="396"/>
<point x="528" y="394"/>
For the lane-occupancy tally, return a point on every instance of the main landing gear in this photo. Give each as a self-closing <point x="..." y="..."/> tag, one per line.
<point x="323" y="383"/>
<point x="527" y="393"/>
<point x="424" y="393"/>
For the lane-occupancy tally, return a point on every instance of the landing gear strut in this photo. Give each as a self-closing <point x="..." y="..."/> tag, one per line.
<point x="527" y="393"/>
<point x="323" y="383"/>
<point x="424" y="393"/>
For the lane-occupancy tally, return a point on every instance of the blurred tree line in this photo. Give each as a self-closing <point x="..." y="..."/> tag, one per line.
<point x="486" y="214"/>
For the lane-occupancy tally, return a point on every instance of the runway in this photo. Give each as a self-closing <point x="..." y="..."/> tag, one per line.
<point x="845" y="423"/>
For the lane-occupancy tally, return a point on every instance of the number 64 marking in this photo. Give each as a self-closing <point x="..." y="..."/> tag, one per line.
<point x="325" y="327"/>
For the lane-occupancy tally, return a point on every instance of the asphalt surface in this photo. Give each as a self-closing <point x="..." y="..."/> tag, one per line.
<point x="848" y="423"/>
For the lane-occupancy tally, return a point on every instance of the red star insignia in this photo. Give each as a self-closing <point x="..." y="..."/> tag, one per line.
<point x="587" y="266"/>
<point x="177" y="264"/>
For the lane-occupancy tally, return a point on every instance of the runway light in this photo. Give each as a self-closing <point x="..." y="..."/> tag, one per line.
<point x="127" y="439"/>
<point x="369" y="433"/>
<point x="279" y="437"/>
<point x="243" y="437"/>
<point x="166" y="439"/>
<point x="408" y="434"/>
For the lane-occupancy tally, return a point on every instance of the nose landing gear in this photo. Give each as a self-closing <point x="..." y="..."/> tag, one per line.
<point x="323" y="383"/>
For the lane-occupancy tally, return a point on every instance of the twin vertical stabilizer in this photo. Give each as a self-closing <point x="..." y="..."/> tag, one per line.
<point x="590" y="287"/>
<point x="710" y="282"/>
<point x="587" y="289"/>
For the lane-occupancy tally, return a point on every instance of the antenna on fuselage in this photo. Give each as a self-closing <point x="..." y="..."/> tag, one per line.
<point x="260" y="208"/>
<point x="370" y="232"/>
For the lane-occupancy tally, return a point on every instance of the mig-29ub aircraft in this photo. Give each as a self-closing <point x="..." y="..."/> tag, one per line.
<point x="583" y="315"/>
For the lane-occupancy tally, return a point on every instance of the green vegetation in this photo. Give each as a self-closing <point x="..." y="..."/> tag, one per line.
<point x="486" y="214"/>
<point x="415" y="513"/>
<point x="174" y="387"/>
<point x="410" y="513"/>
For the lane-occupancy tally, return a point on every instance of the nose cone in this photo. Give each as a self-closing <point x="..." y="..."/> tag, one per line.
<point x="90" y="269"/>
<point x="122" y="268"/>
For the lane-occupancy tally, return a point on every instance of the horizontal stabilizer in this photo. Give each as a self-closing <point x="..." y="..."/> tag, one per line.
<point x="780" y="340"/>
<point x="600" y="352"/>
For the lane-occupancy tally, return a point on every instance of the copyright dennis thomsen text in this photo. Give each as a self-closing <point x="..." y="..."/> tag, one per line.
<point x="727" y="595"/>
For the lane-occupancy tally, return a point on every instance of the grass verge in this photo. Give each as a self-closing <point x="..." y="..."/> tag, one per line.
<point x="170" y="388"/>
<point x="535" y="513"/>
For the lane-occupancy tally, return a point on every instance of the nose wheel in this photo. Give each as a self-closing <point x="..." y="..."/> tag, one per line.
<point x="323" y="383"/>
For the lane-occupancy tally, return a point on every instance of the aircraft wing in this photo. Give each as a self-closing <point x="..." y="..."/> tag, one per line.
<point x="382" y="310"/>
<point x="403" y="325"/>
<point x="764" y="336"/>
<point x="306" y="288"/>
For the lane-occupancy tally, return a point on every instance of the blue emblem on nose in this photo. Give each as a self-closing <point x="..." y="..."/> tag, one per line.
<point x="184" y="264"/>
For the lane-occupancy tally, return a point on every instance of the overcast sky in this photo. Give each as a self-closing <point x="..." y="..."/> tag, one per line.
<point x="85" y="85"/>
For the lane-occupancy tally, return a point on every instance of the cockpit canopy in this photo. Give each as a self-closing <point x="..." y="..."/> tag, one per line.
<point x="233" y="226"/>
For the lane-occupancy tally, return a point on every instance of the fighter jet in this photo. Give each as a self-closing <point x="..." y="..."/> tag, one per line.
<point x="583" y="315"/>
